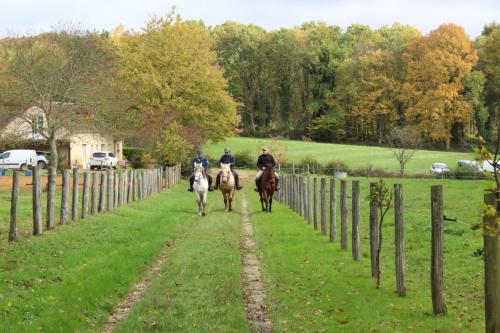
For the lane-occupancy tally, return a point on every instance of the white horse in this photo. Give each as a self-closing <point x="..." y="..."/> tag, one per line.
<point x="200" y="187"/>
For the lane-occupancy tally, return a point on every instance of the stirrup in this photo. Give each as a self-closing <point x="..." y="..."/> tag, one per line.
<point x="190" y="190"/>
<point x="239" y="187"/>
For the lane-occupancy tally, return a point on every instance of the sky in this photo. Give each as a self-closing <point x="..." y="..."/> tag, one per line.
<point x="34" y="16"/>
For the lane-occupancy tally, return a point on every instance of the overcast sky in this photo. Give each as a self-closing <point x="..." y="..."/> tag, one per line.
<point x="33" y="16"/>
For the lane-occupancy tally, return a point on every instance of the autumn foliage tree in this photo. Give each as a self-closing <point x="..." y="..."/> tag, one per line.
<point x="438" y="65"/>
<point x="170" y="71"/>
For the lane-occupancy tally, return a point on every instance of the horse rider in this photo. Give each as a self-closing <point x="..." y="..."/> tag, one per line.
<point x="265" y="159"/>
<point x="227" y="158"/>
<point x="206" y="165"/>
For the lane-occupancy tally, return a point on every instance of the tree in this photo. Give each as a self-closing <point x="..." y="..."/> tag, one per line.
<point x="437" y="67"/>
<point x="64" y="74"/>
<point x="382" y="197"/>
<point x="169" y="69"/>
<point x="403" y="142"/>
<point x="489" y="63"/>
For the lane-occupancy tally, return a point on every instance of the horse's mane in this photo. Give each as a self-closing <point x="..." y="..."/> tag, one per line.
<point x="268" y="174"/>
<point x="202" y="169"/>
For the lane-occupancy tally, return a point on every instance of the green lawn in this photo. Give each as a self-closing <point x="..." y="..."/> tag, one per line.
<point x="199" y="289"/>
<point x="313" y="286"/>
<point x="354" y="155"/>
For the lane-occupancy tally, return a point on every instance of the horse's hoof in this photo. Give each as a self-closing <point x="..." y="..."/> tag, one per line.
<point x="203" y="214"/>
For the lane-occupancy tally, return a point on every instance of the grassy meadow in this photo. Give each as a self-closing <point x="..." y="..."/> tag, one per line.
<point x="70" y="279"/>
<point x="355" y="156"/>
<point x="313" y="286"/>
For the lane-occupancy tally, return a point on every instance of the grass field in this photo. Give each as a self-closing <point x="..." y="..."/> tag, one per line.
<point x="354" y="155"/>
<point x="70" y="278"/>
<point x="313" y="286"/>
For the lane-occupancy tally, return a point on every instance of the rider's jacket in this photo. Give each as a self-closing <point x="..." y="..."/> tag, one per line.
<point x="265" y="160"/>
<point x="202" y="160"/>
<point x="228" y="159"/>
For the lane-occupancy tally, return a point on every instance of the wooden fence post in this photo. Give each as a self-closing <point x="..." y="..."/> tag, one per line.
<point x="333" y="210"/>
<point x="85" y="196"/>
<point x="51" y="197"/>
<point x="491" y="236"/>
<point x="343" y="214"/>
<point x="399" y="239"/>
<point x="315" y="202"/>
<point x="139" y="185"/>
<point x="356" y="253"/>
<point x="111" y="190"/>
<point x="309" y="199"/>
<point x="14" y="206"/>
<point x="65" y="197"/>
<point x="95" y="194"/>
<point x="373" y="230"/>
<point x="37" y="204"/>
<point x="437" y="257"/>
<point x="74" y="203"/>
<point x="121" y="187"/>
<point x="115" y="189"/>
<point x="102" y="191"/>
<point x="324" y="227"/>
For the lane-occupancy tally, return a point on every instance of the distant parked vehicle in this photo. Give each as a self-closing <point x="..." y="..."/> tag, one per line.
<point x="468" y="166"/>
<point x="488" y="166"/>
<point x="18" y="159"/>
<point x="439" y="169"/>
<point x="103" y="159"/>
<point x="42" y="158"/>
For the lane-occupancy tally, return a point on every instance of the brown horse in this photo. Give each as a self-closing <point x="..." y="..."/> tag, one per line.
<point x="266" y="188"/>
<point x="227" y="186"/>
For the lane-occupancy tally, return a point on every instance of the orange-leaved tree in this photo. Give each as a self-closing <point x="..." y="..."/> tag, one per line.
<point x="437" y="67"/>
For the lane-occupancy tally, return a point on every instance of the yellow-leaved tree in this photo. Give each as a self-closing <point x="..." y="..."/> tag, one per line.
<point x="170" y="70"/>
<point x="437" y="67"/>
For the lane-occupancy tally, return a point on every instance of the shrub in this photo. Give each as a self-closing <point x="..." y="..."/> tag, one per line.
<point x="135" y="156"/>
<point x="244" y="159"/>
<point x="337" y="165"/>
<point x="311" y="161"/>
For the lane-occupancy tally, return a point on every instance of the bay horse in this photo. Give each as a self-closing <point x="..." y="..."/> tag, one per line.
<point x="227" y="186"/>
<point x="266" y="188"/>
<point x="200" y="187"/>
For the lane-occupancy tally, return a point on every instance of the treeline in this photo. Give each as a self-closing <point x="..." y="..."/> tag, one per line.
<point x="319" y="82"/>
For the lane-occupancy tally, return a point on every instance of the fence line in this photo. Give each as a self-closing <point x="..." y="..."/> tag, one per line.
<point x="113" y="190"/>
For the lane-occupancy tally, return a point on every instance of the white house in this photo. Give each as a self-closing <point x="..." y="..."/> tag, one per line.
<point x="75" y="148"/>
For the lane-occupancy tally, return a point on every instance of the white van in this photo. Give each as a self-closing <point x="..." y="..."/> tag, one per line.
<point x="18" y="159"/>
<point x="468" y="165"/>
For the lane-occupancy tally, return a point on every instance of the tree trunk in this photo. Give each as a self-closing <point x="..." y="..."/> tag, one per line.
<point x="54" y="158"/>
<point x="448" y="142"/>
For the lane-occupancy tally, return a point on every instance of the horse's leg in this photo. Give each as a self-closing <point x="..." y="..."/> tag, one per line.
<point x="198" y="201"/>
<point x="203" y="203"/>
<point x="261" y="200"/>
<point x="230" y="195"/>
<point x="267" y="202"/>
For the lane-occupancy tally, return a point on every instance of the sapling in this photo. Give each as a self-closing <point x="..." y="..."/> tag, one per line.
<point x="382" y="197"/>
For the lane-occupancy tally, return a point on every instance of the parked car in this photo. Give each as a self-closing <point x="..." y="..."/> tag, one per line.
<point x="42" y="158"/>
<point x="103" y="159"/>
<point x="18" y="159"/>
<point x="468" y="166"/>
<point x="439" y="169"/>
<point x="488" y="166"/>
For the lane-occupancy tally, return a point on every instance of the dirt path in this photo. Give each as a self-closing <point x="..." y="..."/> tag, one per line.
<point x="252" y="285"/>
<point x="137" y="294"/>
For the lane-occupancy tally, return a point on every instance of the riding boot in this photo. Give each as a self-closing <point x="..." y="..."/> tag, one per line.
<point x="210" y="188"/>
<point x="257" y="181"/>
<point x="217" y="181"/>
<point x="191" y="182"/>
<point x="237" y="181"/>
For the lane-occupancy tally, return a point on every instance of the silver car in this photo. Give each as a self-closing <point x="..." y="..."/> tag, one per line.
<point x="439" y="169"/>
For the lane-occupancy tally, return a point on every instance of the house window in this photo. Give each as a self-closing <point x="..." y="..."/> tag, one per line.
<point x="103" y="147"/>
<point x="37" y="126"/>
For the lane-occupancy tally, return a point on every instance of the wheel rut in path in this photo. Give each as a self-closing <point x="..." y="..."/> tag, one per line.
<point x="252" y="286"/>
<point x="137" y="293"/>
